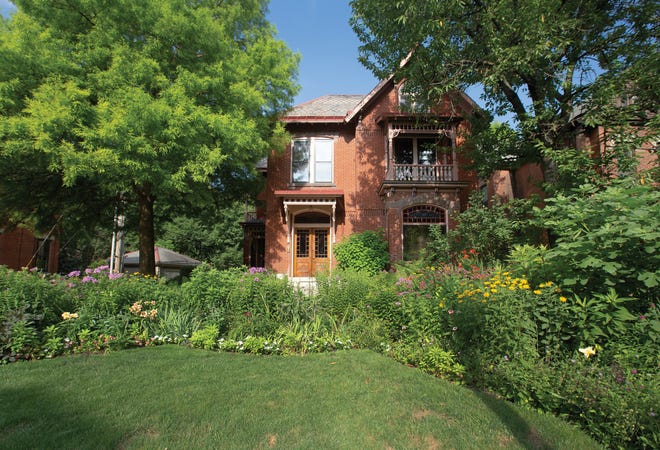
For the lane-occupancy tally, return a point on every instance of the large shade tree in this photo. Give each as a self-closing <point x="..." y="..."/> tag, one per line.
<point x="146" y="100"/>
<point x="548" y="63"/>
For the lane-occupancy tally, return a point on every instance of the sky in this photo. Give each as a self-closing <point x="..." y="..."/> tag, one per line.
<point x="6" y="7"/>
<point x="319" y="31"/>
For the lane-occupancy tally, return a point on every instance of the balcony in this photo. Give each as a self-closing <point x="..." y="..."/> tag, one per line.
<point x="421" y="177"/>
<point x="424" y="173"/>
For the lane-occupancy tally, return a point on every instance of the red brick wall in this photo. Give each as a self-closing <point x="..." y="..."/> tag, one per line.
<point x="17" y="247"/>
<point x="359" y="168"/>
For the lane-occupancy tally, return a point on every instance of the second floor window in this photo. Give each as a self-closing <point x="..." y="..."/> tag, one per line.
<point x="422" y="150"/>
<point x="311" y="160"/>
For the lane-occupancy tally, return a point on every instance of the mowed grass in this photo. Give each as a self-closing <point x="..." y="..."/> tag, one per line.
<point x="177" y="398"/>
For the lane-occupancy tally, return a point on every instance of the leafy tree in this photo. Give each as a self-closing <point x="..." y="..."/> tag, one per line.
<point x="214" y="237"/>
<point x="549" y="62"/>
<point x="154" y="100"/>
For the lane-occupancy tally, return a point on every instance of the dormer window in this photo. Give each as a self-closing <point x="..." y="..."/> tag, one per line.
<point x="311" y="160"/>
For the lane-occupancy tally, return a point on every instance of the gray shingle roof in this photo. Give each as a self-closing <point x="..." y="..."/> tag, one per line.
<point x="164" y="258"/>
<point x="326" y="106"/>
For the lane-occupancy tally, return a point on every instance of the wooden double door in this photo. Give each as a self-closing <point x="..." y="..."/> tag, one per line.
<point x="311" y="251"/>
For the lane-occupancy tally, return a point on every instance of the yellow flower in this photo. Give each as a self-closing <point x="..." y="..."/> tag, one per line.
<point x="537" y="292"/>
<point x="587" y="351"/>
<point x="68" y="315"/>
<point x="562" y="299"/>
<point x="486" y="294"/>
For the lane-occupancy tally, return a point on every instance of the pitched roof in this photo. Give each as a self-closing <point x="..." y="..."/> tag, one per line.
<point x="164" y="258"/>
<point x="329" y="108"/>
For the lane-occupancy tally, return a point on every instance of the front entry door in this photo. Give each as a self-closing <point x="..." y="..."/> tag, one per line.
<point x="311" y="251"/>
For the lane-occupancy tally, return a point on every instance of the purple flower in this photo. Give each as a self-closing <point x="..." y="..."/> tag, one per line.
<point x="634" y="371"/>
<point x="88" y="271"/>
<point x="256" y="279"/>
<point x="75" y="273"/>
<point x="642" y="317"/>
<point x="114" y="276"/>
<point x="89" y="279"/>
<point x="70" y="285"/>
<point x="397" y="303"/>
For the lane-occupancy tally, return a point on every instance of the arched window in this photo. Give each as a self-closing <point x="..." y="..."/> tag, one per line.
<point x="417" y="222"/>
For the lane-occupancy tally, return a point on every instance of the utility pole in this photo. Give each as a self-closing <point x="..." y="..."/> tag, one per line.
<point x="117" y="246"/>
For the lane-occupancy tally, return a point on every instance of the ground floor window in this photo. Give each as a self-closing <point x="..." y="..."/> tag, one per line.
<point x="417" y="222"/>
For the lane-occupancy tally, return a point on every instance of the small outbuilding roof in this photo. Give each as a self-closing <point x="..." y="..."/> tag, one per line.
<point x="164" y="258"/>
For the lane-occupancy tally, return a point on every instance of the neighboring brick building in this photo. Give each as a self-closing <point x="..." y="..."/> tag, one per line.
<point x="19" y="248"/>
<point x="527" y="179"/>
<point x="359" y="163"/>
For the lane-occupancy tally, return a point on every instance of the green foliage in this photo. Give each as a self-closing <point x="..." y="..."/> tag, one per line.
<point x="592" y="359"/>
<point x="172" y="100"/>
<point x="176" y="323"/>
<point x="363" y="304"/>
<point x="429" y="357"/>
<point x="206" y="338"/>
<point x="615" y="404"/>
<point x="366" y="251"/>
<point x="495" y="146"/>
<point x="606" y="239"/>
<point x="529" y="260"/>
<point x="491" y="231"/>
<point x="214" y="237"/>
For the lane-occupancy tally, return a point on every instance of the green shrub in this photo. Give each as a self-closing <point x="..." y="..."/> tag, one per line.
<point x="606" y="239"/>
<point x="429" y="357"/>
<point x="491" y="231"/>
<point x="206" y="338"/>
<point x="366" y="251"/>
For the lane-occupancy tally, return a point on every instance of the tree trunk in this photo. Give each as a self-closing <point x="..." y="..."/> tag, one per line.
<point x="146" y="229"/>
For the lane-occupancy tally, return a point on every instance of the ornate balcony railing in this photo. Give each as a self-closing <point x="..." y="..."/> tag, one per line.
<point x="434" y="173"/>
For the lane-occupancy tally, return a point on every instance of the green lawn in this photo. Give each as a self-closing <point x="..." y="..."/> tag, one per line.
<point x="177" y="398"/>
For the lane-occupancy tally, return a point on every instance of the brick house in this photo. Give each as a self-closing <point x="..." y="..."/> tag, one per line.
<point x="20" y="247"/>
<point x="526" y="180"/>
<point x="359" y="163"/>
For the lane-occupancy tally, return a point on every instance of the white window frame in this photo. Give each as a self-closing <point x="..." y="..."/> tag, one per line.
<point x="314" y="162"/>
